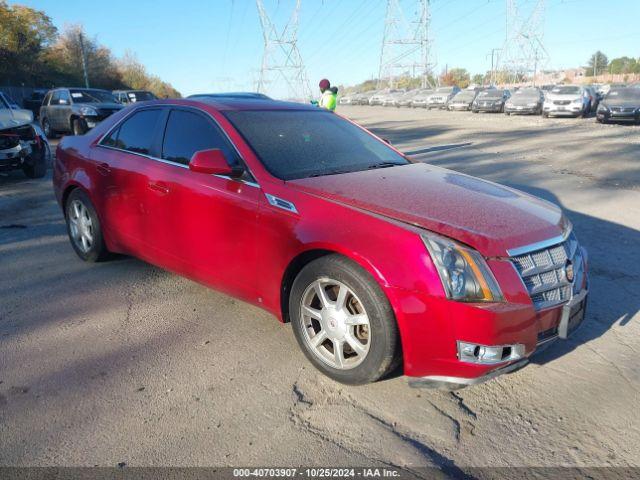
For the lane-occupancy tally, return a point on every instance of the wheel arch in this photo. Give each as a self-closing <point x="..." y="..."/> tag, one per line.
<point x="307" y="256"/>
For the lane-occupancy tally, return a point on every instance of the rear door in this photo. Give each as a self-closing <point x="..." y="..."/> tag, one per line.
<point x="122" y="161"/>
<point x="204" y="225"/>
<point x="63" y="112"/>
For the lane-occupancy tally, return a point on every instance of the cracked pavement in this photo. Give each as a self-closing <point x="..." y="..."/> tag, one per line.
<point x="121" y="362"/>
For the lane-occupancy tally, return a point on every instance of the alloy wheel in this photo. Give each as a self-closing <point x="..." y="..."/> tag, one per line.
<point x="81" y="226"/>
<point x="335" y="324"/>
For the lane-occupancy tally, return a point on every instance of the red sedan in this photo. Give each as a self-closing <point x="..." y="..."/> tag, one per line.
<point x="375" y="259"/>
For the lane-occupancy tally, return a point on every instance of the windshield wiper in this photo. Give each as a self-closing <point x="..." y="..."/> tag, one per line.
<point x="331" y="172"/>
<point x="384" y="165"/>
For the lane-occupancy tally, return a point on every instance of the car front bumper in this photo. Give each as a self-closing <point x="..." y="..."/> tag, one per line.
<point x="618" y="116"/>
<point x="522" y="109"/>
<point x="567" y="319"/>
<point x="571" y="110"/>
<point x="496" y="108"/>
<point x="459" y="106"/>
<point x="14" y="157"/>
<point x="436" y="104"/>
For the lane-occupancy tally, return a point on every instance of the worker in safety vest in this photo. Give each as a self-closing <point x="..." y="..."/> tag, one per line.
<point x="328" y="99"/>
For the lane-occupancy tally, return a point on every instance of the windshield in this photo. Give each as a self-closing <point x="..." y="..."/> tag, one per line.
<point x="92" y="96"/>
<point x="491" y="94"/>
<point x="140" y="96"/>
<point x="566" y="90"/>
<point x="298" y="144"/>
<point x="465" y="95"/>
<point x="528" y="92"/>
<point x="624" y="94"/>
<point x="444" y="90"/>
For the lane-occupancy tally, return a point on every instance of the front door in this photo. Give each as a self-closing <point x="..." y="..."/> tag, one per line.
<point x="204" y="225"/>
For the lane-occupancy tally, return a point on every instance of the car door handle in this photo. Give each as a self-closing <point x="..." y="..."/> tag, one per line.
<point x="159" y="187"/>
<point x="103" y="168"/>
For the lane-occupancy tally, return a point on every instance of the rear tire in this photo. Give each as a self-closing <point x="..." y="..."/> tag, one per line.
<point x="350" y="334"/>
<point x="83" y="227"/>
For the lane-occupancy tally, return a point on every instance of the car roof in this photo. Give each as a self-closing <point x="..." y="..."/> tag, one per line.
<point x="239" y="104"/>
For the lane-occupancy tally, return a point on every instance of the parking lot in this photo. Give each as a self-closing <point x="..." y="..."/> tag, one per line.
<point x="123" y="363"/>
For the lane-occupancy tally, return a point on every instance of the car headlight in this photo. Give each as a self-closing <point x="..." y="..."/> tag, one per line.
<point x="88" y="111"/>
<point x="465" y="275"/>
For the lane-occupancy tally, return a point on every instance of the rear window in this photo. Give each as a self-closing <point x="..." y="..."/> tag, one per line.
<point x="136" y="133"/>
<point x="297" y="144"/>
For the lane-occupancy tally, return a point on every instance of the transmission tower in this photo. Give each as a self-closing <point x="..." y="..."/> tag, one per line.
<point x="282" y="68"/>
<point x="524" y="53"/>
<point x="406" y="44"/>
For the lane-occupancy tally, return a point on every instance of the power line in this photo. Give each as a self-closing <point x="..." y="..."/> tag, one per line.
<point x="405" y="44"/>
<point x="281" y="58"/>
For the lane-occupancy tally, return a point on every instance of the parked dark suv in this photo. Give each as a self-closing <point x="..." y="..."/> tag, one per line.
<point x="75" y="110"/>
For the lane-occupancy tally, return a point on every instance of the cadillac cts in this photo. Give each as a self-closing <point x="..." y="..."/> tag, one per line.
<point x="376" y="260"/>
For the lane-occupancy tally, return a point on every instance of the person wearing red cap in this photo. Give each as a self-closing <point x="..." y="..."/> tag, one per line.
<point x="328" y="99"/>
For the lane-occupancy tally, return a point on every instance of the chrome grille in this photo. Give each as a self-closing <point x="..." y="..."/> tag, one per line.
<point x="543" y="272"/>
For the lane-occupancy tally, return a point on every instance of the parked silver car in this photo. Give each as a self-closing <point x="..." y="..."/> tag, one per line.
<point x="391" y="99"/>
<point x="462" y="100"/>
<point x="441" y="97"/>
<point x="420" y="100"/>
<point x="23" y="144"/>
<point x="566" y="100"/>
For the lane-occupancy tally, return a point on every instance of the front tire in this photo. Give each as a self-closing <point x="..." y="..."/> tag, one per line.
<point x="83" y="227"/>
<point x="79" y="126"/>
<point x="343" y="321"/>
<point x="46" y="127"/>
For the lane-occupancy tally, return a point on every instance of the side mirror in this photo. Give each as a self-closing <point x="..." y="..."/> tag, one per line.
<point x="212" y="162"/>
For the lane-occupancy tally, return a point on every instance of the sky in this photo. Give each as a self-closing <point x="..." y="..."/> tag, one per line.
<point x="217" y="45"/>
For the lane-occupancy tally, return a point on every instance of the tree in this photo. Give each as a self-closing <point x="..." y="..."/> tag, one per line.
<point x="25" y="33"/>
<point x="598" y="64"/>
<point x="624" y="65"/>
<point x="456" y="76"/>
<point x="478" y="79"/>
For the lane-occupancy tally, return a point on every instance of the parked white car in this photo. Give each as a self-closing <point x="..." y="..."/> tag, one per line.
<point x="567" y="100"/>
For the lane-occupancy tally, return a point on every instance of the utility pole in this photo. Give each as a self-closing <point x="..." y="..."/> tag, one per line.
<point x="494" y="64"/>
<point x="84" y="60"/>
<point x="406" y="46"/>
<point x="281" y="55"/>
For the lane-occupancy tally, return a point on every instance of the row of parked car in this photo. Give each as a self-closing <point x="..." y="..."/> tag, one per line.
<point x="24" y="140"/>
<point x="609" y="102"/>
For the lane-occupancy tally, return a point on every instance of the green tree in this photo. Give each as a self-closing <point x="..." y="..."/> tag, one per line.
<point x="623" y="65"/>
<point x="25" y="33"/>
<point x="478" y="79"/>
<point x="598" y="64"/>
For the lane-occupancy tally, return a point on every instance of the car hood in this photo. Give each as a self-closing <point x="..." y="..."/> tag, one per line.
<point x="487" y="216"/>
<point x="106" y="106"/>
<point x="523" y="100"/>
<point x="621" y="103"/>
<point x="14" y="118"/>
<point x="569" y="96"/>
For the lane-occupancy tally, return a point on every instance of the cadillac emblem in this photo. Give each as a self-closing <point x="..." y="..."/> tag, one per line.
<point x="568" y="271"/>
